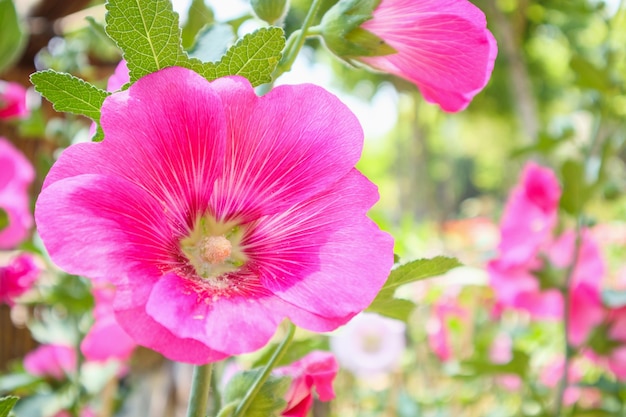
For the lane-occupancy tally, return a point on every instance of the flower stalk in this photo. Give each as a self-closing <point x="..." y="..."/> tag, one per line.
<point x="200" y="388"/>
<point x="296" y="41"/>
<point x="265" y="373"/>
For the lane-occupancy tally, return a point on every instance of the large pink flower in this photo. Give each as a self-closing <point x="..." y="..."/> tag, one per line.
<point x="443" y="46"/>
<point x="106" y="339"/>
<point x="17" y="277"/>
<point x="316" y="371"/>
<point x="54" y="361"/>
<point x="217" y="213"/>
<point x="16" y="175"/>
<point x="12" y="100"/>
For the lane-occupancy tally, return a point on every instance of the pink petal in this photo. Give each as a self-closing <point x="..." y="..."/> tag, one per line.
<point x="166" y="134"/>
<point x="325" y="245"/>
<point x="97" y="226"/>
<point x="120" y="77"/>
<point x="443" y="47"/>
<point x="130" y="311"/>
<point x="12" y="101"/>
<point x="586" y="312"/>
<point x="285" y="147"/>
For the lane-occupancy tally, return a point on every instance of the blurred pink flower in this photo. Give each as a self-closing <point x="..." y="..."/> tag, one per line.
<point x="16" y="176"/>
<point x="317" y="370"/>
<point x="437" y="326"/>
<point x="443" y="46"/>
<point x="369" y="344"/>
<point x="501" y="350"/>
<point x="552" y="373"/>
<point x="12" y="100"/>
<point x="217" y="213"/>
<point x="54" y="361"/>
<point x="106" y="339"/>
<point x="529" y="216"/>
<point x="17" y="277"/>
<point x="528" y="248"/>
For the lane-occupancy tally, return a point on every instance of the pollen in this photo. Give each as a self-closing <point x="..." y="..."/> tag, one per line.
<point x="216" y="249"/>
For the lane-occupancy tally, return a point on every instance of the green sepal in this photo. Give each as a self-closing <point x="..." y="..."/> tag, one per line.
<point x="343" y="34"/>
<point x="270" y="11"/>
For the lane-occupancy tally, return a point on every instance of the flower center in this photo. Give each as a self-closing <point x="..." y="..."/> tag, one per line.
<point x="213" y="248"/>
<point x="216" y="249"/>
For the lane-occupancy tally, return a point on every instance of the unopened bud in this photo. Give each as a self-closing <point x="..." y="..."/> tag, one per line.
<point x="271" y="11"/>
<point x="343" y="34"/>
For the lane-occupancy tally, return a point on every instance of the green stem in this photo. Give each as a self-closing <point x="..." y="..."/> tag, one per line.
<point x="228" y="409"/>
<point x="296" y="41"/>
<point x="265" y="373"/>
<point x="563" y="382"/>
<point x="200" y="387"/>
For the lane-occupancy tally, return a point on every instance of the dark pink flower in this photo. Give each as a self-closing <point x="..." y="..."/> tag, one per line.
<point x="316" y="371"/>
<point x="16" y="175"/>
<point x="218" y="213"/>
<point x="54" y="361"/>
<point x="443" y="46"/>
<point x="17" y="277"/>
<point x="106" y="339"/>
<point x="12" y="101"/>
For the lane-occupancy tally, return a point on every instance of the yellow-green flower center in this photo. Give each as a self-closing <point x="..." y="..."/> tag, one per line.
<point x="214" y="248"/>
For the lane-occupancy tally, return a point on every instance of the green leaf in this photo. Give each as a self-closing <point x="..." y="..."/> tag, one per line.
<point x="269" y="402"/>
<point x="212" y="42"/>
<point x="417" y="270"/>
<point x="198" y="17"/>
<point x="297" y="349"/>
<point x="70" y="94"/>
<point x="480" y="365"/>
<point x="12" y="38"/>
<point x="254" y="57"/>
<point x="147" y="32"/>
<point x="11" y="382"/>
<point x="4" y="218"/>
<point x="395" y="308"/>
<point x="6" y="405"/>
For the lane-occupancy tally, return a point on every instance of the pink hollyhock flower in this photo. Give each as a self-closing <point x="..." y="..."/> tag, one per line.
<point x="369" y="344"/>
<point x="317" y="370"/>
<point x="54" y="361"/>
<point x="217" y="213"/>
<point x="443" y="46"/>
<point x="12" y="101"/>
<point x="17" y="277"/>
<point x="529" y="216"/>
<point x="106" y="339"/>
<point x="437" y="326"/>
<point x="16" y="175"/>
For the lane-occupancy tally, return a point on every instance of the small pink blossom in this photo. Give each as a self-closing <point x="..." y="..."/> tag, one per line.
<point x="217" y="213"/>
<point x="437" y="326"/>
<point x="17" y="277"/>
<point x="369" y="344"/>
<point x="120" y="77"/>
<point x="316" y="371"/>
<point x="16" y="175"/>
<point x="106" y="339"/>
<point x="12" y="101"/>
<point x="54" y="361"/>
<point x="529" y="216"/>
<point x="443" y="46"/>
